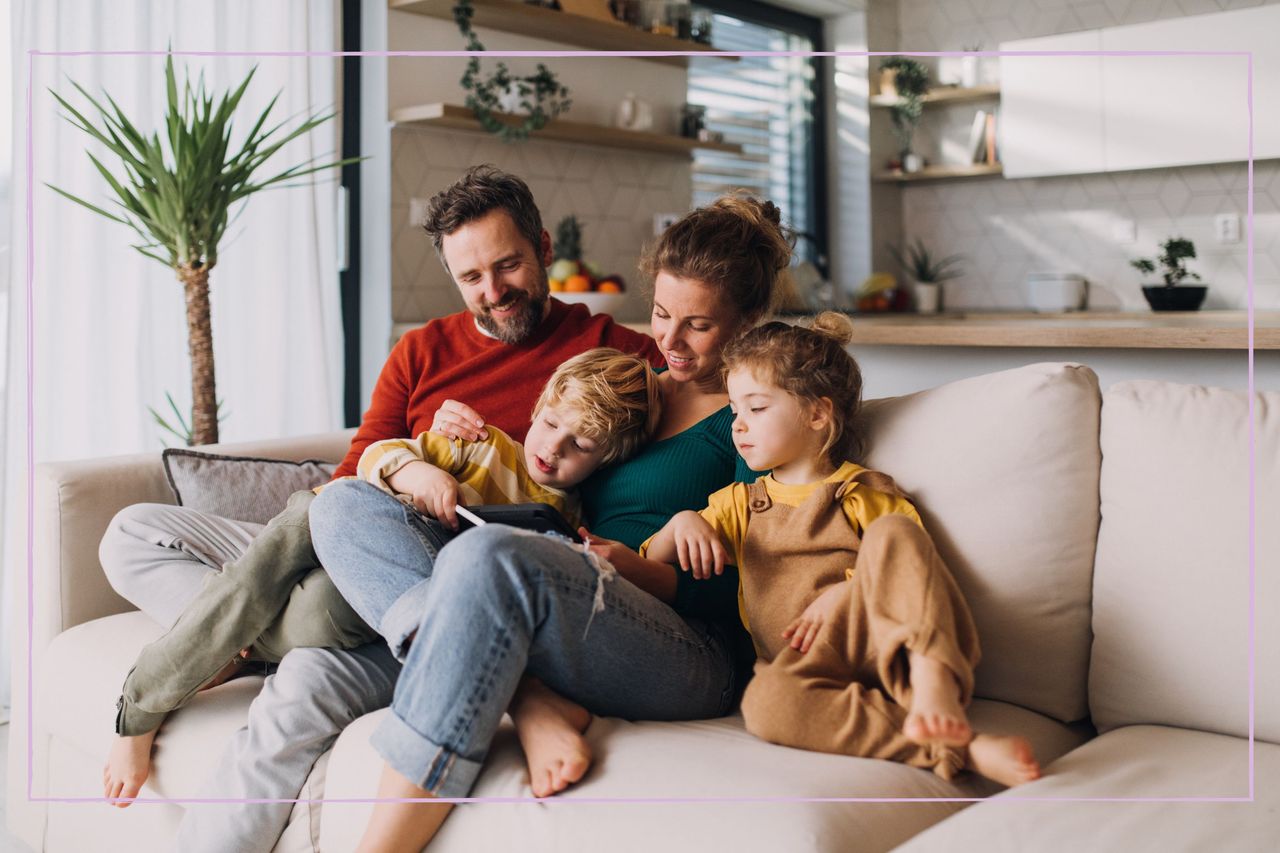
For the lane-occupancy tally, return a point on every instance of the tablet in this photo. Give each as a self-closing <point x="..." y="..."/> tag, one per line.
<point x="544" y="518"/>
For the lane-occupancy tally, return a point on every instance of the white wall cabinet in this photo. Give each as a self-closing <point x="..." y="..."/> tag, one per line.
<point x="1051" y="108"/>
<point x="1071" y="115"/>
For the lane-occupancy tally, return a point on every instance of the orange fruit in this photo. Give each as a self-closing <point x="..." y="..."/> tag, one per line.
<point x="577" y="284"/>
<point x="608" y="287"/>
<point x="555" y="285"/>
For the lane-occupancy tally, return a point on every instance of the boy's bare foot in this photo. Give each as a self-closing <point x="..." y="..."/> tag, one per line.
<point x="550" y="729"/>
<point x="128" y="766"/>
<point x="1007" y="759"/>
<point x="935" y="715"/>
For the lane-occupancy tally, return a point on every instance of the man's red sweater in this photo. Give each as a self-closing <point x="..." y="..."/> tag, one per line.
<point x="450" y="358"/>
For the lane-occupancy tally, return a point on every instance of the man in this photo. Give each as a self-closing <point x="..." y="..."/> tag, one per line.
<point x="496" y="355"/>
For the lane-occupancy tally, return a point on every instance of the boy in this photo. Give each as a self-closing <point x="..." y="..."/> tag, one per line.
<point x="597" y="408"/>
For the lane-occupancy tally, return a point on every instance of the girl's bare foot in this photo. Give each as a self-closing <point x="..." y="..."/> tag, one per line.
<point x="128" y="766"/>
<point x="550" y="729"/>
<point x="935" y="715"/>
<point x="1007" y="759"/>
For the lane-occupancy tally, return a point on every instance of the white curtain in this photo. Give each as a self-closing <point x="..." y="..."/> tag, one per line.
<point x="108" y="333"/>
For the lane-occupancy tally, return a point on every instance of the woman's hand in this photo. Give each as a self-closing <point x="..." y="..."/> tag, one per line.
<point x="698" y="546"/>
<point x="433" y="490"/>
<point x="805" y="628"/>
<point x="654" y="577"/>
<point x="458" y="420"/>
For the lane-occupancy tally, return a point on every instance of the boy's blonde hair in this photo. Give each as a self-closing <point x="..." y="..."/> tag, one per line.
<point x="614" y="395"/>
<point x="809" y="364"/>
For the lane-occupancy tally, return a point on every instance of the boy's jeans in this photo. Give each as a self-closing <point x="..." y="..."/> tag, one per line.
<point x="273" y="598"/>
<point x="501" y="602"/>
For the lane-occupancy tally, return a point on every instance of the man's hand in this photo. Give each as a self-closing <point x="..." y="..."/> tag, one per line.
<point x="434" y="491"/>
<point x="698" y="546"/>
<point x="458" y="420"/>
<point x="804" y="629"/>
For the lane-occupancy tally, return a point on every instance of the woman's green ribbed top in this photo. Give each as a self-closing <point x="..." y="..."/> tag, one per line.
<point x="631" y="501"/>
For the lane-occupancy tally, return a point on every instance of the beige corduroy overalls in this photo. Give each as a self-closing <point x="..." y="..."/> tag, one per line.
<point x="849" y="694"/>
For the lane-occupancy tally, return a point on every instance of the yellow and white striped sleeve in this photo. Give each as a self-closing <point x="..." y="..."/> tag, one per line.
<point x="383" y="458"/>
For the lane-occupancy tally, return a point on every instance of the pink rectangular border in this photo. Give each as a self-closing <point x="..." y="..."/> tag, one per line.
<point x="31" y="466"/>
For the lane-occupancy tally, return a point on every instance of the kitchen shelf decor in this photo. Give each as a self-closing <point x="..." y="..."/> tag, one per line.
<point x="561" y="27"/>
<point x="456" y="117"/>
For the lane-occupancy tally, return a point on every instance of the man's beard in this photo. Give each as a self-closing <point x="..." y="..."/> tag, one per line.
<point x="530" y="309"/>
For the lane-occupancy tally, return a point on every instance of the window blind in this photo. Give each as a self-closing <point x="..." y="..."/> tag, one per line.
<point x="766" y="105"/>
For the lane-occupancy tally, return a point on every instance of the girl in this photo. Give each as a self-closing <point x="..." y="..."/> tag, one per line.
<point x="865" y="645"/>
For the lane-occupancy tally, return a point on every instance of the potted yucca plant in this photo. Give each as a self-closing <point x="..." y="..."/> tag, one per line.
<point x="176" y="189"/>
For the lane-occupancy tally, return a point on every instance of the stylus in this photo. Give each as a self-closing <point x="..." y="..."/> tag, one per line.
<point x="469" y="515"/>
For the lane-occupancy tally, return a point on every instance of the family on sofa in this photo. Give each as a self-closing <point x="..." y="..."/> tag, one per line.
<point x="727" y="533"/>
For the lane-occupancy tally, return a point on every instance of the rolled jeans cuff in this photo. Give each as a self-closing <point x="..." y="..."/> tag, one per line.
<point x="132" y="721"/>
<point x="434" y="768"/>
<point x="403" y="618"/>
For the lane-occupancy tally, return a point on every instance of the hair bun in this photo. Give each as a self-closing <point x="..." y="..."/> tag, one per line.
<point x="834" y="325"/>
<point x="771" y="212"/>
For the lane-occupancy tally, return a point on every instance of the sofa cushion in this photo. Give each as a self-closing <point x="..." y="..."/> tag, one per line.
<point x="1004" y="470"/>
<point x="1171" y="587"/>
<point x="79" y="681"/>
<point x="678" y="771"/>
<point x="1134" y="762"/>
<point x="246" y="488"/>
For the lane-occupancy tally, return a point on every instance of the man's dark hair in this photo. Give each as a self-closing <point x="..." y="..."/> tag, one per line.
<point x="480" y="191"/>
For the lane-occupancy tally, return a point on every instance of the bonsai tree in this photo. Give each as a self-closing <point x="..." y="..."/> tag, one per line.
<point x="920" y="265"/>
<point x="176" y="192"/>
<point x="1173" y="260"/>
<point x="911" y="80"/>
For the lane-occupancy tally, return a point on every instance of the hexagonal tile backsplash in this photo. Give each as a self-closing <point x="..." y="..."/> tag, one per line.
<point x="1008" y="228"/>
<point x="614" y="192"/>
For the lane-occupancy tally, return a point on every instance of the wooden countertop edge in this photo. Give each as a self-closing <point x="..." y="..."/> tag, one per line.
<point x="1058" y="331"/>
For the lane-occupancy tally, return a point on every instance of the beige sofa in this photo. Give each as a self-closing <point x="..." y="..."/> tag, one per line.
<point x="1102" y="541"/>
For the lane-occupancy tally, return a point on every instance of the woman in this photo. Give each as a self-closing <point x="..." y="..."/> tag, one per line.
<point x="644" y="643"/>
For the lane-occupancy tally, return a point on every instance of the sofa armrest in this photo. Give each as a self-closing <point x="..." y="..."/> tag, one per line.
<point x="74" y="503"/>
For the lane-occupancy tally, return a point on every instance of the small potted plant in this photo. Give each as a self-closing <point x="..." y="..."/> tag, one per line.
<point x="927" y="274"/>
<point x="911" y="82"/>
<point x="1172" y="295"/>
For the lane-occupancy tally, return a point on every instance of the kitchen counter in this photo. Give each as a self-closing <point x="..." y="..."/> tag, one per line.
<point x="1190" y="330"/>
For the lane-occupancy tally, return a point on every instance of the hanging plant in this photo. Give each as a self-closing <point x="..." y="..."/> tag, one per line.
<point x="542" y="96"/>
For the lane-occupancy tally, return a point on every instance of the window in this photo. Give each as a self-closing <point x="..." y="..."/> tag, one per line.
<point x="771" y="106"/>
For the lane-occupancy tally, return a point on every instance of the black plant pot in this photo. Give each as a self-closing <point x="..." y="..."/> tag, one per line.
<point x="1182" y="297"/>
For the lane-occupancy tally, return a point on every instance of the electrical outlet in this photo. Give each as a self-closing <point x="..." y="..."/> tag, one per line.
<point x="1226" y="227"/>
<point x="1125" y="231"/>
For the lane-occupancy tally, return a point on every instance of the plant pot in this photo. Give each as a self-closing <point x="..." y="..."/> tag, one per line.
<point x="1183" y="297"/>
<point x="912" y="163"/>
<point x="928" y="297"/>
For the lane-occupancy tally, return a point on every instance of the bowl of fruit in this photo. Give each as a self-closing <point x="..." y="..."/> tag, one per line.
<point x="575" y="280"/>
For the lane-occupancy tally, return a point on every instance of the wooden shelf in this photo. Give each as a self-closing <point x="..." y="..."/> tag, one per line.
<point x="1221" y="330"/>
<point x="944" y="95"/>
<point x="461" y="118"/>
<point x="941" y="173"/>
<point x="514" y="17"/>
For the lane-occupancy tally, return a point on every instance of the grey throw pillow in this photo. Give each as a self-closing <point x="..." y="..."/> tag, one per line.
<point x="239" y="487"/>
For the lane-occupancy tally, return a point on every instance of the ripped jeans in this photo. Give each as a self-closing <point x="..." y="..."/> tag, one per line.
<point x="501" y="602"/>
